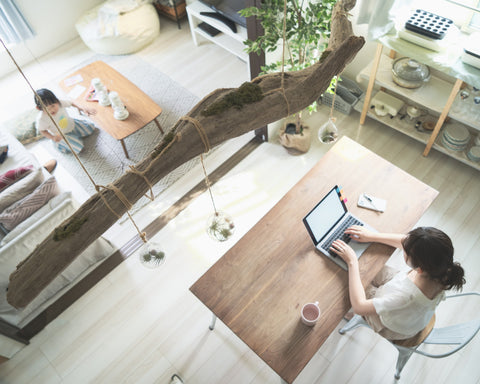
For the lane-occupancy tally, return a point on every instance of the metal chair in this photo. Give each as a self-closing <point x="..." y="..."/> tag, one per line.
<point x="457" y="336"/>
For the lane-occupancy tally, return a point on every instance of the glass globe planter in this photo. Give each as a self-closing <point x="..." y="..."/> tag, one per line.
<point x="220" y="226"/>
<point x="328" y="132"/>
<point x="150" y="255"/>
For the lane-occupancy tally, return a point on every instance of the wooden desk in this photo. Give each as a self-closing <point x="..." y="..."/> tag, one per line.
<point x="259" y="286"/>
<point x="142" y="109"/>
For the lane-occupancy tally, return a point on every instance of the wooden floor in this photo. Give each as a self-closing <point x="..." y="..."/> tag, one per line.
<point x="141" y="326"/>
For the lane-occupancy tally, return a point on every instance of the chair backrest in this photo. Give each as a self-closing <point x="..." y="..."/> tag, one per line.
<point x="458" y="334"/>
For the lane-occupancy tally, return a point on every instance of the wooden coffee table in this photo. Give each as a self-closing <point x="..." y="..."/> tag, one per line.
<point x="259" y="286"/>
<point x="142" y="109"/>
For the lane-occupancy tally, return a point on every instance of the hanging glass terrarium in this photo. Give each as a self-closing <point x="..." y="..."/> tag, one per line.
<point x="328" y="132"/>
<point x="220" y="226"/>
<point x="150" y="255"/>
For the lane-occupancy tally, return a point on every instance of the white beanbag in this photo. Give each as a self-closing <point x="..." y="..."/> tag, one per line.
<point x="119" y="27"/>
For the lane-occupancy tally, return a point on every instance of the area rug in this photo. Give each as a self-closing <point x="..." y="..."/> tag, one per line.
<point x="103" y="156"/>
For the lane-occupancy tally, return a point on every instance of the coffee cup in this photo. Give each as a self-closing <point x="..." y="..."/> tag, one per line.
<point x="310" y="313"/>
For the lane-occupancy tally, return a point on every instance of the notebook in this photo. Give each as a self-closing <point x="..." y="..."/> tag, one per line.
<point x="328" y="220"/>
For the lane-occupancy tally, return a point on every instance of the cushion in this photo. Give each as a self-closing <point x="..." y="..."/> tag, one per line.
<point x="21" y="188"/>
<point x="107" y="31"/>
<point x="40" y="215"/>
<point x="10" y="177"/>
<point x="19" y="211"/>
<point x="23" y="127"/>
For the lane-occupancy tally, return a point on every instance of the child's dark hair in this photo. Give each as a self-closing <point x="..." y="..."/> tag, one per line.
<point x="47" y="97"/>
<point x="431" y="250"/>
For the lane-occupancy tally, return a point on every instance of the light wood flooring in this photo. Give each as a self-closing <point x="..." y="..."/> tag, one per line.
<point x="141" y="326"/>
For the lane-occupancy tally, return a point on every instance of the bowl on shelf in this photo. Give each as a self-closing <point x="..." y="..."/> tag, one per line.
<point x="474" y="153"/>
<point x="410" y="73"/>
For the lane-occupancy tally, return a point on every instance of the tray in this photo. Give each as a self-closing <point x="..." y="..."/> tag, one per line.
<point x="428" y="24"/>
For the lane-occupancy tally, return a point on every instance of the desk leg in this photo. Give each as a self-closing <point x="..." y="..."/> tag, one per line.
<point x="158" y="125"/>
<point x="212" y="324"/>
<point x="124" y="148"/>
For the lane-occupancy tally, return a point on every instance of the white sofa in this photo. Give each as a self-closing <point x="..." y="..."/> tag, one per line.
<point x="22" y="240"/>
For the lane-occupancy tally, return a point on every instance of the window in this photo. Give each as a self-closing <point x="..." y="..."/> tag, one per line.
<point x="13" y="26"/>
<point x="464" y="13"/>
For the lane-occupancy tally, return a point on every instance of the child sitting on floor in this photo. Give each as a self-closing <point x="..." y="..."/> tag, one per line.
<point x="398" y="305"/>
<point x="72" y="129"/>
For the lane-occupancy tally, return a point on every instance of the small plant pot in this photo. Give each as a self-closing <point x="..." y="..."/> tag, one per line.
<point x="220" y="226"/>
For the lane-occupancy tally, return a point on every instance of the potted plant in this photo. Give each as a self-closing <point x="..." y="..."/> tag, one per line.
<point x="307" y="29"/>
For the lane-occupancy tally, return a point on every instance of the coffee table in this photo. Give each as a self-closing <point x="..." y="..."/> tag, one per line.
<point x="260" y="285"/>
<point x="142" y="109"/>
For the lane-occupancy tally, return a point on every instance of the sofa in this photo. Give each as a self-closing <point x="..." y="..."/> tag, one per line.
<point x="31" y="205"/>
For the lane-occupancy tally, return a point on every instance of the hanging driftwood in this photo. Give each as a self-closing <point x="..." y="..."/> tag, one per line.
<point x="222" y="115"/>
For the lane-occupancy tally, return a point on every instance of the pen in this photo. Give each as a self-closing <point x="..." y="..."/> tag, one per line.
<point x="370" y="201"/>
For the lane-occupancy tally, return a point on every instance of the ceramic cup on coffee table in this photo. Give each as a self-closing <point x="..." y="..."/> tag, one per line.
<point x="310" y="313"/>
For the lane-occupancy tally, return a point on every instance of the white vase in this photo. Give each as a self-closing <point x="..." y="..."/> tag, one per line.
<point x="119" y="110"/>
<point x="100" y="92"/>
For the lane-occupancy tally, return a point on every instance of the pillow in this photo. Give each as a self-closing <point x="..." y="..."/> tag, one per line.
<point x="23" y="127"/>
<point x="38" y="216"/>
<point x="10" y="177"/>
<point x="21" y="188"/>
<point x="19" y="211"/>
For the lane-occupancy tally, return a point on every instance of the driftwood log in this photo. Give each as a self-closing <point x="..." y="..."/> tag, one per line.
<point x="188" y="138"/>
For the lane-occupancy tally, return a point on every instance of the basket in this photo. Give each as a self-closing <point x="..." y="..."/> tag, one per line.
<point x="348" y="93"/>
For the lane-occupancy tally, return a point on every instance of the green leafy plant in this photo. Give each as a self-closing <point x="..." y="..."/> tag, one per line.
<point x="221" y="226"/>
<point x="306" y="35"/>
<point x="152" y="257"/>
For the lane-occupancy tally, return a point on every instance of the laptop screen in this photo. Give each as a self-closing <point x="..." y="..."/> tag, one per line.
<point x="325" y="215"/>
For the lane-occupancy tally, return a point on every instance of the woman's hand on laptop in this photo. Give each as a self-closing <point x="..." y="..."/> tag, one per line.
<point x="343" y="250"/>
<point x="360" y="234"/>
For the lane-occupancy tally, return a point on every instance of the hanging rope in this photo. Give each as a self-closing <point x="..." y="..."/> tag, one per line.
<point x="98" y="188"/>
<point x="207" y="182"/>
<point x="284" y="32"/>
<point x="333" y="100"/>
<point x="200" y="130"/>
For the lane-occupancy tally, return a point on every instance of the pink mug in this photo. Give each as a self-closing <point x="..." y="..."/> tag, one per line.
<point x="310" y="313"/>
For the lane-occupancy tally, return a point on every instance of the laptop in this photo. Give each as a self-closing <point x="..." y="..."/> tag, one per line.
<point x="328" y="220"/>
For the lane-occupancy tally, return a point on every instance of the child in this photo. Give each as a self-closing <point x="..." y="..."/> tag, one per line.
<point x="73" y="129"/>
<point x="399" y="305"/>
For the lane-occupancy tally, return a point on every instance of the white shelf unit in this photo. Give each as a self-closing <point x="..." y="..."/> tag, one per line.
<point x="406" y="127"/>
<point x="227" y="39"/>
<point x="432" y="96"/>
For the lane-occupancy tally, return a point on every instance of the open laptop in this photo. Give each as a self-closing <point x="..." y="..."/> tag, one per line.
<point x="328" y="220"/>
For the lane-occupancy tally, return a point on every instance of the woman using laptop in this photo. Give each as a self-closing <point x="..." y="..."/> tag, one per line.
<point x="398" y="305"/>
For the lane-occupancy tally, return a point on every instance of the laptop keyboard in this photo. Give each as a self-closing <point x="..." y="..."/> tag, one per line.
<point x="340" y="234"/>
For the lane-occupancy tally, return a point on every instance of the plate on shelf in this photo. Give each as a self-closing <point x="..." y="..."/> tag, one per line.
<point x="455" y="137"/>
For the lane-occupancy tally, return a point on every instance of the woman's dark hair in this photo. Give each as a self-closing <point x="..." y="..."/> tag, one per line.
<point x="47" y="97"/>
<point x="431" y="250"/>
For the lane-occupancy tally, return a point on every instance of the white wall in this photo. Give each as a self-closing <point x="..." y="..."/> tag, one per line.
<point x="54" y="24"/>
<point x="366" y="54"/>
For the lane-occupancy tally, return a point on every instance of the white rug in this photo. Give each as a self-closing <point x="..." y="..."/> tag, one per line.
<point x="103" y="156"/>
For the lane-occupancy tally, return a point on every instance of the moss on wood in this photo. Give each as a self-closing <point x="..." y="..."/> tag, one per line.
<point x="247" y="93"/>
<point x="65" y="231"/>
<point x="167" y="139"/>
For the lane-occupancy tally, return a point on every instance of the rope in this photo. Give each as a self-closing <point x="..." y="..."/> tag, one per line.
<point x="207" y="182"/>
<point x="333" y="99"/>
<point x="283" y="56"/>
<point x="200" y="130"/>
<point x="120" y="195"/>
<point x="45" y="109"/>
<point x="142" y="175"/>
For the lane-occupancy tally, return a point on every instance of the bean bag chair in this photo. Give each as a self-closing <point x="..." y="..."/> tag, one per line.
<point x="119" y="27"/>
